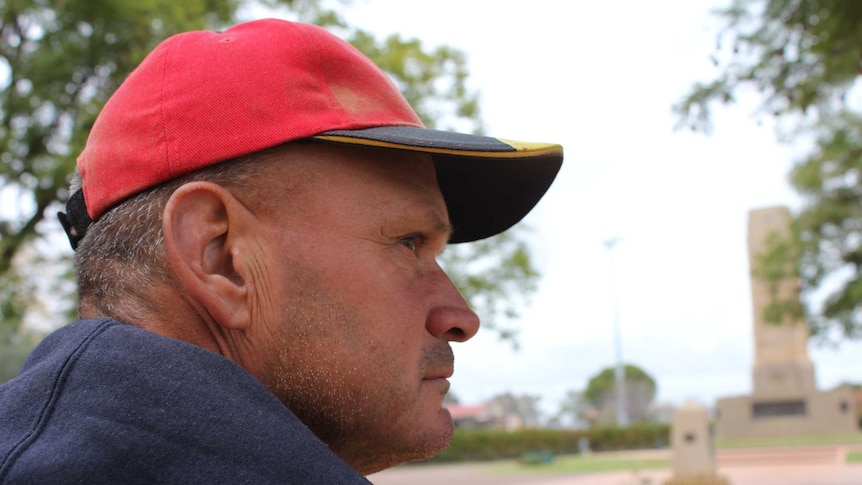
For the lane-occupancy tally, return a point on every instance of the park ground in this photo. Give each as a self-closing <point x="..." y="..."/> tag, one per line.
<point x="817" y="464"/>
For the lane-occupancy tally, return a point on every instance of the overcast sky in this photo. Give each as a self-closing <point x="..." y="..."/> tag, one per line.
<point x="600" y="78"/>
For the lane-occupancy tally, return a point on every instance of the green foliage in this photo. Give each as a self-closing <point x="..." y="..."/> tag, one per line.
<point x="640" y="389"/>
<point x="803" y="58"/>
<point x="15" y="342"/>
<point x="15" y="346"/>
<point x="488" y="444"/>
<point x="61" y="65"/>
<point x="829" y="228"/>
<point x="798" y="54"/>
<point x="777" y="264"/>
<point x="12" y="308"/>
<point x="588" y="463"/>
<point x="602" y="384"/>
<point x="57" y="67"/>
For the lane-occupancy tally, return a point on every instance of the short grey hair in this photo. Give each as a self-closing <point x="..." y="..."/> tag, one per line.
<point x="123" y="255"/>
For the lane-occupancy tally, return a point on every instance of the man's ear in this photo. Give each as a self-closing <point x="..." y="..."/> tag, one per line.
<point x="201" y="229"/>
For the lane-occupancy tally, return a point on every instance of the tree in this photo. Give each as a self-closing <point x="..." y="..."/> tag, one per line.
<point x="601" y="394"/>
<point x="803" y="58"/>
<point x="575" y="409"/>
<point x="59" y="65"/>
<point x="524" y="407"/>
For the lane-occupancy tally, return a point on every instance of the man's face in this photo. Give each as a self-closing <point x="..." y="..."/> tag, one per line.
<point x="355" y="316"/>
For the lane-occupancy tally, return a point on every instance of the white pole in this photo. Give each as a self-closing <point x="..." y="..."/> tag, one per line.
<point x="619" y="371"/>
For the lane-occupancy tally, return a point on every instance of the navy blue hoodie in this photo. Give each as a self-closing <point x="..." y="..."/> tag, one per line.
<point x="99" y="401"/>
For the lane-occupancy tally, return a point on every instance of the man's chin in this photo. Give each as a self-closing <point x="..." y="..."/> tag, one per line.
<point x="446" y="418"/>
<point x="424" y="438"/>
<point x="433" y="439"/>
<point x="438" y="436"/>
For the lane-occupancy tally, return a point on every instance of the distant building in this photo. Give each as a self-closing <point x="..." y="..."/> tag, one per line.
<point x="475" y="416"/>
<point x="483" y="416"/>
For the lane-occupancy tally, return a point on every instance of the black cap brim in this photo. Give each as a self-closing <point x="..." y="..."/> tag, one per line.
<point x="488" y="184"/>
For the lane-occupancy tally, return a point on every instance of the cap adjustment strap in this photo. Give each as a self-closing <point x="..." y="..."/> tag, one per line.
<point x="75" y="220"/>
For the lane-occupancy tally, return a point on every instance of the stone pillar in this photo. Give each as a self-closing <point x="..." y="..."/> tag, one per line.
<point x="691" y="442"/>
<point x="782" y="368"/>
<point x="785" y="400"/>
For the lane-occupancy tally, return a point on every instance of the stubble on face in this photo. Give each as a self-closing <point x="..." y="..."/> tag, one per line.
<point x="362" y="411"/>
<point x="347" y="347"/>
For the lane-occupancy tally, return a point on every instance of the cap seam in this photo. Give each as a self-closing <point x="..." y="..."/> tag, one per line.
<point x="316" y="59"/>
<point x="162" y="112"/>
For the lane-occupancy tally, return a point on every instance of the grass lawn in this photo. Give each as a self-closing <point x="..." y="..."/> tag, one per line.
<point x="854" y="457"/>
<point x="581" y="464"/>
<point x="829" y="439"/>
<point x="596" y="463"/>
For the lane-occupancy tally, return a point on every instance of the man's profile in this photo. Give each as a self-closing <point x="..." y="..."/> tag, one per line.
<point x="256" y="223"/>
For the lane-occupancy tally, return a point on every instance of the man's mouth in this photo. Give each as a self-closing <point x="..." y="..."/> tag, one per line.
<point x="440" y="378"/>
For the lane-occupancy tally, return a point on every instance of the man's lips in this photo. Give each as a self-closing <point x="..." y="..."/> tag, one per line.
<point x="442" y="383"/>
<point x="439" y="378"/>
<point x="442" y="373"/>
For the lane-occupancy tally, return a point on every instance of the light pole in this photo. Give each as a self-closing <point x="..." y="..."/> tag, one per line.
<point x="619" y="371"/>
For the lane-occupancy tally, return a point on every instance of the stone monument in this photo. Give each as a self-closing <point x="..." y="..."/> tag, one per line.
<point x="691" y="442"/>
<point x="785" y="400"/>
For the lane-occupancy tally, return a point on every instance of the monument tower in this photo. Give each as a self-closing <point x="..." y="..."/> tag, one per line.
<point x="782" y="368"/>
<point x="785" y="400"/>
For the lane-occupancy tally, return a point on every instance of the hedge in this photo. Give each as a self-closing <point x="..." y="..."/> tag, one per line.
<point x="491" y="444"/>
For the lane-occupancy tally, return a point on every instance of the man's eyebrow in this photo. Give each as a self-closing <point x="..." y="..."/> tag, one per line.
<point x="441" y="225"/>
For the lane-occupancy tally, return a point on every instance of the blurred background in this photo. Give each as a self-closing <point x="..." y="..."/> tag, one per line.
<point x="677" y="118"/>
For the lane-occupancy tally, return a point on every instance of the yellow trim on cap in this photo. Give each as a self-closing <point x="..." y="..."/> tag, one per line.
<point x="522" y="149"/>
<point x="526" y="146"/>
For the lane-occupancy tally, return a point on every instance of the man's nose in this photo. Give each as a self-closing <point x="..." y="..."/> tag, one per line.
<point x="450" y="316"/>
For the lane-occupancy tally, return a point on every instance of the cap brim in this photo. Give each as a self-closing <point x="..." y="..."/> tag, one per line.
<point x="489" y="184"/>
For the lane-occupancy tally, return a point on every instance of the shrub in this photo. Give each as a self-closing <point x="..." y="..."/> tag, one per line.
<point x="491" y="444"/>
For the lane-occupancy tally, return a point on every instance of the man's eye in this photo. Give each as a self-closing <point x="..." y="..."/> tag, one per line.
<point x="409" y="243"/>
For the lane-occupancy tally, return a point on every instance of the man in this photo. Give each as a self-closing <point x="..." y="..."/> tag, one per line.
<point x="256" y="235"/>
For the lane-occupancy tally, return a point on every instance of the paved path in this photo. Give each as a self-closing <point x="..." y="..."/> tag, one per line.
<point x="790" y="466"/>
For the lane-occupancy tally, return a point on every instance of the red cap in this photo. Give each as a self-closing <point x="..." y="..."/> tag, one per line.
<point x="204" y="97"/>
